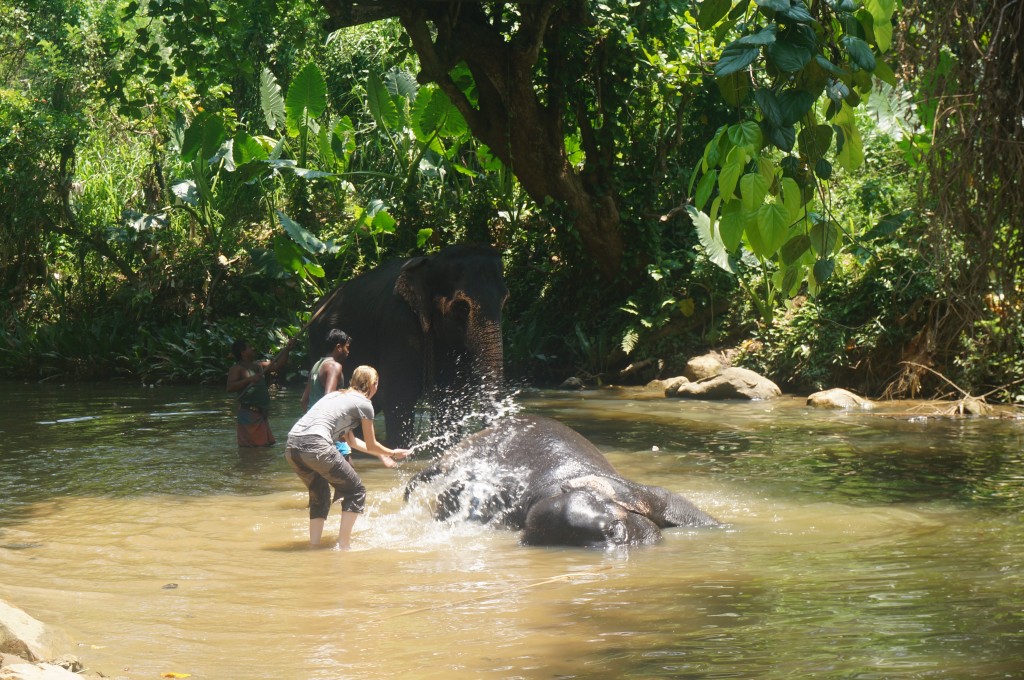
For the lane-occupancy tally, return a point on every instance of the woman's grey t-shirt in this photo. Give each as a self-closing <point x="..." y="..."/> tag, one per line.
<point x="333" y="415"/>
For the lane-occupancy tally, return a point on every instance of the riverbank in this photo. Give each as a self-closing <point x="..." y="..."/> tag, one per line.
<point x="33" y="650"/>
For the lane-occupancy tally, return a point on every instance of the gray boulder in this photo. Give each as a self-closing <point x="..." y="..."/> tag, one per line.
<point x="838" y="398"/>
<point x="731" y="383"/>
<point x="705" y="366"/>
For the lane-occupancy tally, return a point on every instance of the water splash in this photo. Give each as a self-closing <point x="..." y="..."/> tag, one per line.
<point x="476" y="412"/>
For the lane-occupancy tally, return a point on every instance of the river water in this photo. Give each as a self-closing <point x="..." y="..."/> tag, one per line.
<point x="887" y="544"/>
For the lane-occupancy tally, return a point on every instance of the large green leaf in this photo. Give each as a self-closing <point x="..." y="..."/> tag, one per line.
<point x="192" y="138"/>
<point x="732" y="169"/>
<point x="753" y="189"/>
<point x="851" y="155"/>
<point x="815" y="141"/>
<point x="713" y="247"/>
<point x="794" y="105"/>
<point x="381" y="105"/>
<point x="783" y="137"/>
<point x="795" y="248"/>
<point x="401" y="84"/>
<point x="755" y="236"/>
<point x="792" y="200"/>
<point x="766" y="36"/>
<point x="311" y="244"/>
<point x="246" y="149"/>
<point x="735" y="58"/>
<point x="710" y="12"/>
<point x="734" y="88"/>
<point x="823" y="270"/>
<point x="747" y="135"/>
<point x="433" y="113"/>
<point x="860" y="52"/>
<point x="307" y="97"/>
<point x="731" y="225"/>
<point x="788" y="57"/>
<point x="271" y="100"/>
<point x="881" y="21"/>
<point x="289" y="256"/>
<point x="797" y="12"/>
<point x="704" y="188"/>
<point x="825" y="237"/>
<point x="769" y="105"/>
<point x="343" y="140"/>
<point x="773" y="224"/>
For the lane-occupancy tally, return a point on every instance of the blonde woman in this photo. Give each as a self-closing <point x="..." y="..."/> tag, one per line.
<point x="312" y="454"/>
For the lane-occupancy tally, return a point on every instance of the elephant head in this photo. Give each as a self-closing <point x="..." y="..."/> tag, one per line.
<point x="599" y="511"/>
<point x="458" y="296"/>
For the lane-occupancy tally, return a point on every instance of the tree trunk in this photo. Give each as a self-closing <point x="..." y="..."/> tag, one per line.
<point x="509" y="116"/>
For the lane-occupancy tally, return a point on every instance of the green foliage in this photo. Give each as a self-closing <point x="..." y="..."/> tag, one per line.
<point x="247" y="166"/>
<point x="800" y="73"/>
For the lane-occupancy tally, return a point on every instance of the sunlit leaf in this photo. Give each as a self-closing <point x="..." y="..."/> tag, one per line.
<point x="379" y="102"/>
<point x="401" y="84"/>
<point x="271" y="100"/>
<point x="792" y="199"/>
<point x="704" y="189"/>
<point x="310" y="243"/>
<point x="710" y="12"/>
<point x="422" y="236"/>
<point x="746" y="134"/>
<point x="753" y="189"/>
<point x="851" y="156"/>
<point x="185" y="191"/>
<point x="731" y="226"/>
<point x="773" y="223"/>
<point x="732" y="169"/>
<point x="713" y="248"/>
<point x="307" y="97"/>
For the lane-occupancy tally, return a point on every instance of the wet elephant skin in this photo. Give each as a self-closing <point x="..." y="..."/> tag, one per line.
<point x="535" y="474"/>
<point x="430" y="325"/>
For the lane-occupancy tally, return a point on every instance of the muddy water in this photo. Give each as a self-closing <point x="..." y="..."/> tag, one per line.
<point x="873" y="545"/>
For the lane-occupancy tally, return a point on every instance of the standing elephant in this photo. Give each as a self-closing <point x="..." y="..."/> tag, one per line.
<point x="535" y="474"/>
<point x="429" y="325"/>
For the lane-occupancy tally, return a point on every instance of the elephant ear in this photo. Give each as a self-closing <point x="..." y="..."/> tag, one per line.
<point x="663" y="507"/>
<point x="411" y="285"/>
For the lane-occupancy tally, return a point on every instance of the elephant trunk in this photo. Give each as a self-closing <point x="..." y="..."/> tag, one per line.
<point x="488" y="355"/>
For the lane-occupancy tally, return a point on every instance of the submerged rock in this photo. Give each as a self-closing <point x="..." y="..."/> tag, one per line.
<point x="838" y="398"/>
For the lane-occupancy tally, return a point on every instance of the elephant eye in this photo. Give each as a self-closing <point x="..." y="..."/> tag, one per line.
<point x="617" y="533"/>
<point x="460" y="307"/>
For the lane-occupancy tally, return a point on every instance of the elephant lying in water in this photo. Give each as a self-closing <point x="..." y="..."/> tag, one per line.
<point x="535" y="474"/>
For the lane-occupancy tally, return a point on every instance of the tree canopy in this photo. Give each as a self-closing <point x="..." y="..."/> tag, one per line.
<point x="661" y="176"/>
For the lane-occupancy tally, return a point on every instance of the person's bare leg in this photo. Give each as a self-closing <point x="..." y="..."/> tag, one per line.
<point x="316" y="530"/>
<point x="348" y="520"/>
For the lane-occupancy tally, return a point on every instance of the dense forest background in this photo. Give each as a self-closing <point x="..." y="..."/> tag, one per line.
<point x="830" y="192"/>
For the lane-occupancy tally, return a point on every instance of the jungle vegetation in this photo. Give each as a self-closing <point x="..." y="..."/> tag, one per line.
<point x="830" y="191"/>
